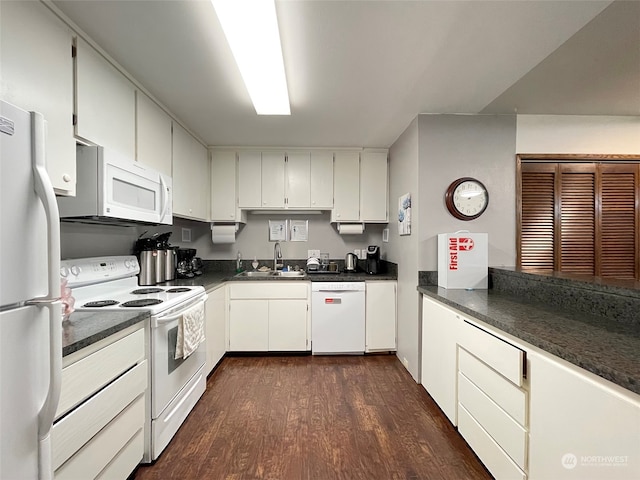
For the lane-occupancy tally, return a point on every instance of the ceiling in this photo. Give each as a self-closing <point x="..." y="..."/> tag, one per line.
<point x="359" y="71"/>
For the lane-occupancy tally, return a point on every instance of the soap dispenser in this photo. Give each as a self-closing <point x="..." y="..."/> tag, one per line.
<point x="239" y="262"/>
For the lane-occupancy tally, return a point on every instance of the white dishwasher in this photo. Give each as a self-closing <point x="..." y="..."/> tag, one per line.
<point x="337" y="318"/>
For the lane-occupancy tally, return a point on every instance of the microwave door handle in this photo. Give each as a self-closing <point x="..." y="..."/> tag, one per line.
<point x="165" y="197"/>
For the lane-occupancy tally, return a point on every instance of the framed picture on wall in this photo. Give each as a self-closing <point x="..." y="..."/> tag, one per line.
<point x="404" y="214"/>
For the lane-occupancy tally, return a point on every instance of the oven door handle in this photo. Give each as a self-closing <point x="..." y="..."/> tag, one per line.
<point x="172" y="317"/>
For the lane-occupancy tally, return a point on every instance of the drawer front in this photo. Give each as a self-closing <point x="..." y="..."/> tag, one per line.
<point x="493" y="457"/>
<point x="505" y="431"/>
<point x="77" y="428"/>
<point x="272" y="289"/>
<point x="508" y="360"/>
<point x="82" y="378"/>
<point x="511" y="399"/>
<point x="104" y="447"/>
<point x="127" y="460"/>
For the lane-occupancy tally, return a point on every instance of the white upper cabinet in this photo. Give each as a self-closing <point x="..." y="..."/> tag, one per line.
<point x="105" y="102"/>
<point x="190" y="172"/>
<point x="321" y="181"/>
<point x="273" y="194"/>
<point x="223" y="187"/>
<point x="298" y="179"/>
<point x="249" y="179"/>
<point x="153" y="134"/>
<point x="37" y="74"/>
<point x="374" y="191"/>
<point x="346" y="187"/>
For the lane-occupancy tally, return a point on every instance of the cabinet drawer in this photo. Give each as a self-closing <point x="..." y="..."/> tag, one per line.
<point x="126" y="460"/>
<point x="255" y="290"/>
<point x="104" y="447"/>
<point x="82" y="378"/>
<point x="504" y="430"/>
<point x="493" y="457"/>
<point x="77" y="428"/>
<point x="505" y="358"/>
<point x="511" y="399"/>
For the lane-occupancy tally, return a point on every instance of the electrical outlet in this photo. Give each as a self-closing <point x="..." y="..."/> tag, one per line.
<point x="357" y="252"/>
<point x="313" y="253"/>
<point x="405" y="362"/>
<point x="186" y="235"/>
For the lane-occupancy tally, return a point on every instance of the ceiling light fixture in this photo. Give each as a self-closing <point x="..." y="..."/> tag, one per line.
<point x="251" y="28"/>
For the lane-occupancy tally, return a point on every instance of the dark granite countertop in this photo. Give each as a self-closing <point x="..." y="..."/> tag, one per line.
<point x="601" y="345"/>
<point x="85" y="328"/>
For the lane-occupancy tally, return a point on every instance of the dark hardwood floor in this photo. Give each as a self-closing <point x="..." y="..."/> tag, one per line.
<point x="315" y="418"/>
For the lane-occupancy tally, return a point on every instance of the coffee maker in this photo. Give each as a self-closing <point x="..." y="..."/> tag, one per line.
<point x="373" y="259"/>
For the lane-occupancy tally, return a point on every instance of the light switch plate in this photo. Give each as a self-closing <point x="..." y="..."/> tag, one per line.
<point x="385" y="235"/>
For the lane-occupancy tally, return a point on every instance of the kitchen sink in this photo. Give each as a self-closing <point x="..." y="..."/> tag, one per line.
<point x="290" y="274"/>
<point x="255" y="274"/>
<point x="270" y="273"/>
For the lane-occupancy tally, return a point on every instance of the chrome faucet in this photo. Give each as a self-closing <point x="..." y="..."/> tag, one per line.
<point x="277" y="253"/>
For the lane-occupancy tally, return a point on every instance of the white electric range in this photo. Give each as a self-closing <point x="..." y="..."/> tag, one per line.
<point x="111" y="284"/>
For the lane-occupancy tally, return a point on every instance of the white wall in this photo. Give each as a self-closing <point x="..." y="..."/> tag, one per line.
<point x="479" y="146"/>
<point x="578" y="134"/>
<point x="403" y="250"/>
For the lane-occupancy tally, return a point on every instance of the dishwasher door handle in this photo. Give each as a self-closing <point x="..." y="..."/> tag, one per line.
<point x="340" y="291"/>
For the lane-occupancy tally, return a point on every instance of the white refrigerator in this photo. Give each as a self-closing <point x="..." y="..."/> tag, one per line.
<point x="30" y="308"/>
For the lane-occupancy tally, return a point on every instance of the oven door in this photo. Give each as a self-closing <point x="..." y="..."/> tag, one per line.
<point x="134" y="191"/>
<point x="169" y="375"/>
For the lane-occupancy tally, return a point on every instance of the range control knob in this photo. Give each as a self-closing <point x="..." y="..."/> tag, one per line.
<point x="75" y="270"/>
<point x="64" y="271"/>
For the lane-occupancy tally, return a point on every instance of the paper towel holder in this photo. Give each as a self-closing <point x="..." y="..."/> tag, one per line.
<point x="350" y="228"/>
<point x="235" y="225"/>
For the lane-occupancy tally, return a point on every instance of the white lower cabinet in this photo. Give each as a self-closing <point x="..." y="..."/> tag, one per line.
<point x="269" y="316"/>
<point x="100" y="423"/>
<point x="215" y="326"/>
<point x="380" y="316"/>
<point x="581" y="426"/>
<point x="524" y="412"/>
<point x="440" y="327"/>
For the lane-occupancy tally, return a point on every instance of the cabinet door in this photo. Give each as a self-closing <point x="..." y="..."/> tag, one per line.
<point x="105" y="102"/>
<point x="153" y="134"/>
<point x="374" y="188"/>
<point x="298" y="180"/>
<point x="248" y="325"/>
<point x="380" y="316"/>
<point x="190" y="172"/>
<point x="321" y="180"/>
<point x="223" y="186"/>
<point x="37" y="74"/>
<point x="272" y="179"/>
<point x="346" y="187"/>
<point x="287" y="325"/>
<point x="580" y="424"/>
<point x="249" y="179"/>
<point x="439" y="354"/>
<point x="216" y="326"/>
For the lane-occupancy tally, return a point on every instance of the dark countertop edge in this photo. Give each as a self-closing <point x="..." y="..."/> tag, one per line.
<point x="629" y="380"/>
<point x="86" y="328"/>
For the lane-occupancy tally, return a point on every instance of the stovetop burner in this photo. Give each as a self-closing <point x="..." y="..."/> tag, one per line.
<point x="100" y="303"/>
<point x="143" y="302"/>
<point x="145" y="291"/>
<point x="179" y="290"/>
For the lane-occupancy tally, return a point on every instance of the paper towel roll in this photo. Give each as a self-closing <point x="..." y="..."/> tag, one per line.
<point x="350" y="228"/>
<point x="223" y="233"/>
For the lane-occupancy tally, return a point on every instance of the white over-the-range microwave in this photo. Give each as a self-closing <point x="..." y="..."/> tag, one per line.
<point x="114" y="189"/>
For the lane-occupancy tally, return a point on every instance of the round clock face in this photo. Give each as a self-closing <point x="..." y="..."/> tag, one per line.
<point x="466" y="198"/>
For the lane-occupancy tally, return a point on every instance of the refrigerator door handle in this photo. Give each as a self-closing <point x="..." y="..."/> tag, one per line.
<point x="45" y="192"/>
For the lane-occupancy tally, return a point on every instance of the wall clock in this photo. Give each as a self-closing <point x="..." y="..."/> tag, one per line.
<point x="466" y="198"/>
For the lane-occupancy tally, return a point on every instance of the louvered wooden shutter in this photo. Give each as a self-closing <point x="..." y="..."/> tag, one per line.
<point x="577" y="222"/>
<point x="617" y="220"/>
<point x="537" y="217"/>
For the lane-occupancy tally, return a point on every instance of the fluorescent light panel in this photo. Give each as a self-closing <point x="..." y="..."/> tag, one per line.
<point x="251" y="28"/>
